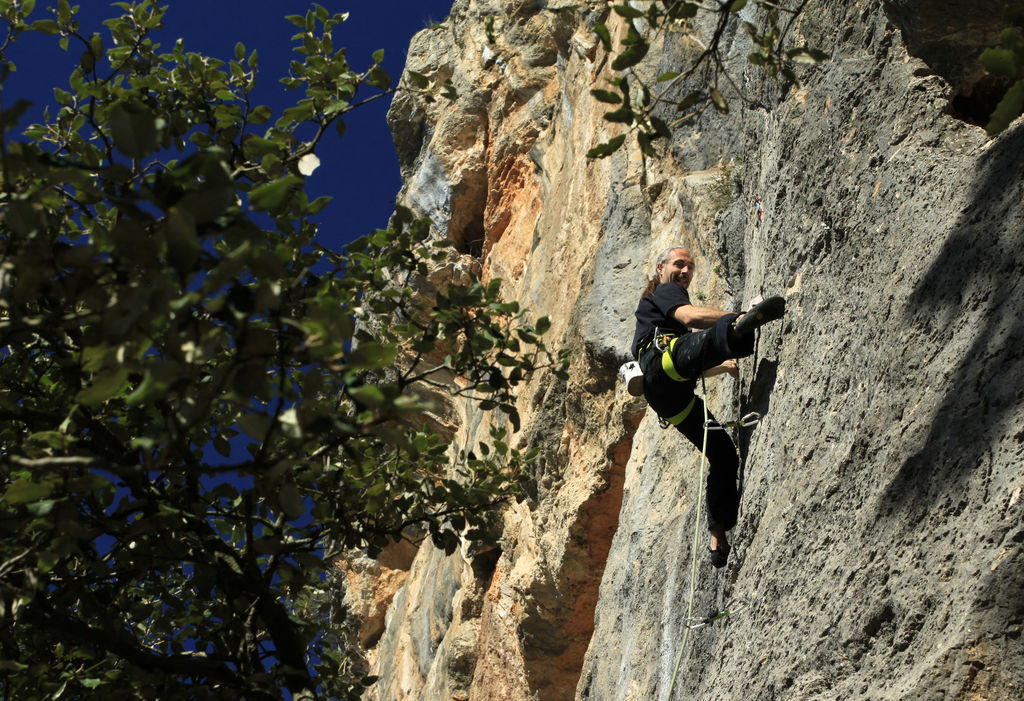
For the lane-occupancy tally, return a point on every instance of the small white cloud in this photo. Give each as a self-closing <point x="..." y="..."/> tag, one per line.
<point x="308" y="163"/>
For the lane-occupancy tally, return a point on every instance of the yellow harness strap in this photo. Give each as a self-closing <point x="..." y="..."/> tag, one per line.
<point x="668" y="366"/>
<point x="678" y="418"/>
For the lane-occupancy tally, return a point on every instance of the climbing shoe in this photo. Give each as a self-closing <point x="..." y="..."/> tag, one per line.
<point x="720" y="556"/>
<point x="768" y="310"/>
<point x="633" y="376"/>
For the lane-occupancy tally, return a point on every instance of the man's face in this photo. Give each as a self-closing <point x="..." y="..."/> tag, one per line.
<point x="678" y="268"/>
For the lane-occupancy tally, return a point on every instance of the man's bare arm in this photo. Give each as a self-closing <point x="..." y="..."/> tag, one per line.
<point x="729" y="366"/>
<point x="697" y="317"/>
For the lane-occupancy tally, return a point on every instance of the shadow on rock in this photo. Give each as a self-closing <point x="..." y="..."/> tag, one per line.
<point x="977" y="273"/>
<point x="759" y="399"/>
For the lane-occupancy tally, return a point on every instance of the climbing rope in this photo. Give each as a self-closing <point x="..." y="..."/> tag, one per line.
<point x="734" y="604"/>
<point x="693" y="548"/>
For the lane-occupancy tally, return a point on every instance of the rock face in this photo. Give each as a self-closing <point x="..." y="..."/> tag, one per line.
<point x="878" y="552"/>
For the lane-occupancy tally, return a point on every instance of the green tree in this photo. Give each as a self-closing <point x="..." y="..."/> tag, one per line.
<point x="199" y="405"/>
<point x="1007" y="61"/>
<point x="651" y="109"/>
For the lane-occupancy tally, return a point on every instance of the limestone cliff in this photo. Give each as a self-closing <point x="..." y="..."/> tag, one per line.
<point x="880" y="534"/>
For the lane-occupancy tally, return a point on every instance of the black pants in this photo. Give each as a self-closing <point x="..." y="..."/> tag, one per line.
<point x="722" y="499"/>
<point x="692" y="354"/>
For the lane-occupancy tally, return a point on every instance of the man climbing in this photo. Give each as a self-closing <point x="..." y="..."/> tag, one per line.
<point x="672" y="357"/>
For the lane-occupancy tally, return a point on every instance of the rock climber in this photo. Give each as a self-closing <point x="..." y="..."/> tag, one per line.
<point x="672" y="358"/>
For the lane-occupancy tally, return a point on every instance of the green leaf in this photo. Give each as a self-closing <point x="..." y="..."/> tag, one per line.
<point x="291" y="501"/>
<point x="317" y="205"/>
<point x="644" y="142"/>
<point x="222" y="445"/>
<point x="607" y="148"/>
<point x="87" y="62"/>
<point x="183" y="247"/>
<point x="606" y="96"/>
<point x="737" y="5"/>
<point x="683" y="10"/>
<point x="602" y="33"/>
<point x="45" y="26"/>
<point x="1001" y="62"/>
<point x="96" y="46"/>
<point x="1010" y="38"/>
<point x="1008" y="109"/>
<point x="418" y="79"/>
<point x="378" y="56"/>
<point x="719" y="101"/>
<point x="254" y="425"/>
<point x="10" y="117"/>
<point x="370" y="355"/>
<point x="47" y="560"/>
<point x="334" y="107"/>
<point x="260" y="115"/>
<point x="631" y="56"/>
<point x="661" y="128"/>
<point x="690" y="100"/>
<point x="628" y="11"/>
<point x="623" y="115"/>
<point x="273" y="194"/>
<point x="632" y="35"/>
<point x="41" y="508"/>
<point x="367" y="395"/>
<point x="378" y="78"/>
<point x="207" y="203"/>
<point x="133" y="127"/>
<point x="23" y="490"/>
<point x="804" y="54"/>
<point x="104" y="386"/>
<point x="668" y="75"/>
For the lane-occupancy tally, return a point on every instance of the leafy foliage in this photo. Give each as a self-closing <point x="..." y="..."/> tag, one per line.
<point x="1007" y="61"/>
<point x="198" y="404"/>
<point x="645" y="21"/>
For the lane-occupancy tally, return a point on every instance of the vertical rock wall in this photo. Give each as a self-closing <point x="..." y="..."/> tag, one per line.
<point x="879" y="545"/>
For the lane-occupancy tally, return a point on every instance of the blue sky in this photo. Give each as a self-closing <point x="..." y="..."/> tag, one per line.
<point x="359" y="170"/>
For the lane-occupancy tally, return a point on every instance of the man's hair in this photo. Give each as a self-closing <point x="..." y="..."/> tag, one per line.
<point x="662" y="259"/>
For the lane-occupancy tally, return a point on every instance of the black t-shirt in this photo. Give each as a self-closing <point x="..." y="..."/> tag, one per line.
<point x="655" y="310"/>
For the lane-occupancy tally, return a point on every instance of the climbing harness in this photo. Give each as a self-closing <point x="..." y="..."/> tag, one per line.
<point x="664" y="342"/>
<point x="750" y="419"/>
<point x="731" y="607"/>
<point x="677" y="419"/>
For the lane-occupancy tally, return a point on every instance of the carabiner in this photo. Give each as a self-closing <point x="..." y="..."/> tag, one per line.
<point x="750" y="419"/>
<point x="731" y="607"/>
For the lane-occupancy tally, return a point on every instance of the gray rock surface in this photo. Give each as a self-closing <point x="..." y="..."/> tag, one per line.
<point x="879" y="545"/>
